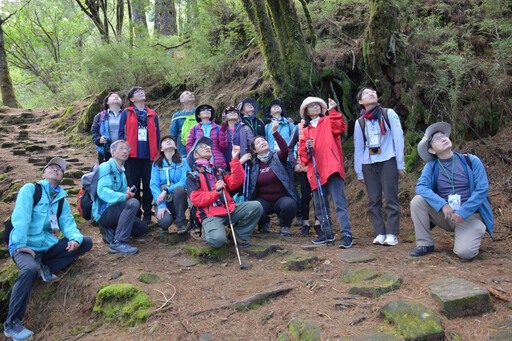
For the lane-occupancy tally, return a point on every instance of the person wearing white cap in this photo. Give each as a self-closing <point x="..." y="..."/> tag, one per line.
<point x="452" y="194"/>
<point x="320" y="151"/>
<point x="34" y="244"/>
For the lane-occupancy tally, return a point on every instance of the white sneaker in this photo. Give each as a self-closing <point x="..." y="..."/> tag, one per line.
<point x="391" y="240"/>
<point x="379" y="240"/>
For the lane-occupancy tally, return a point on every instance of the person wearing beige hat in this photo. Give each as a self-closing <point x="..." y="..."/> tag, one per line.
<point x="451" y="193"/>
<point x="320" y="151"/>
<point x="34" y="242"/>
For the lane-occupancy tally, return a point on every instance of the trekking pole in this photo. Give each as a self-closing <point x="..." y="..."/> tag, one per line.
<point x="326" y="220"/>
<point x="247" y="181"/>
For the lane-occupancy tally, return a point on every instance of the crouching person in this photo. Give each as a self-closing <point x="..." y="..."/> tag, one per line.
<point x="33" y="242"/>
<point x="452" y="194"/>
<point x="168" y="181"/>
<point x="115" y="208"/>
<point x="209" y="192"/>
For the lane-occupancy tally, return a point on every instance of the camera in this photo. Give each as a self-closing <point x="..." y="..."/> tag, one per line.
<point x="374" y="150"/>
<point x="133" y="189"/>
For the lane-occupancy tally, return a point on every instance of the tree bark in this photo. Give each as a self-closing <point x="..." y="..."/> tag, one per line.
<point x="139" y="18"/>
<point x="92" y="9"/>
<point x="119" y="17"/>
<point x="165" y="17"/>
<point x="8" y="95"/>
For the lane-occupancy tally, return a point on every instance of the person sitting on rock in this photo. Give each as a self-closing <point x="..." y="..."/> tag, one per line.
<point x="34" y="244"/>
<point x="115" y="208"/>
<point x="270" y="182"/>
<point x="451" y="193"/>
<point x="208" y="190"/>
<point x="168" y="184"/>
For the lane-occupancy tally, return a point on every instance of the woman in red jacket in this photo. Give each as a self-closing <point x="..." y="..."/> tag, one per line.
<point x="321" y="139"/>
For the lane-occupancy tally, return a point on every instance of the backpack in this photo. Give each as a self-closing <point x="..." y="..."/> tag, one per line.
<point x="189" y="122"/>
<point x="37" y="196"/>
<point x="87" y="194"/>
<point x="362" y="123"/>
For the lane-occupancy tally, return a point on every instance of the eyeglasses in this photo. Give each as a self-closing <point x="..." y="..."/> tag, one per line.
<point x="205" y="109"/>
<point x="437" y="138"/>
<point x="313" y="105"/>
<point x="368" y="92"/>
<point x="202" y="146"/>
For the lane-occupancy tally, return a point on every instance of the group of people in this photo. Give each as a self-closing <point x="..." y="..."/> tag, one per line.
<point x="238" y="173"/>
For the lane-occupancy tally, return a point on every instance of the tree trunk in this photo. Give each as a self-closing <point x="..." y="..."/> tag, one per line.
<point x="384" y="55"/>
<point x="139" y="18"/>
<point x="8" y="95"/>
<point x="92" y="9"/>
<point x="287" y="57"/>
<point x="165" y="17"/>
<point x="119" y="17"/>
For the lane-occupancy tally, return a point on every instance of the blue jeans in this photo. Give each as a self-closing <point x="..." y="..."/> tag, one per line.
<point x="335" y="188"/>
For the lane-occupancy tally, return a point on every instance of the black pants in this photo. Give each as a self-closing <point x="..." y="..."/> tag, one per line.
<point x="285" y="207"/>
<point x="103" y="157"/>
<point x="138" y="170"/>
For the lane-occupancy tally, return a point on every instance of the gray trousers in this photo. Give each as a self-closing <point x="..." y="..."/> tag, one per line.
<point x="383" y="177"/>
<point x="122" y="217"/>
<point x="177" y="207"/>
<point x="244" y="218"/>
<point x="468" y="234"/>
<point x="56" y="258"/>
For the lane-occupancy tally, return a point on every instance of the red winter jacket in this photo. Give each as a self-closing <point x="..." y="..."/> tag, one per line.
<point x="204" y="196"/>
<point x="326" y="146"/>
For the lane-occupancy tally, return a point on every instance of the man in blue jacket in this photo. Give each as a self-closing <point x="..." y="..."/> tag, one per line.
<point x="115" y="208"/>
<point x="452" y="194"/>
<point x="34" y="244"/>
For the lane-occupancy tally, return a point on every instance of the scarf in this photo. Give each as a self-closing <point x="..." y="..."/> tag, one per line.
<point x="142" y="116"/>
<point x="204" y="163"/>
<point x="264" y="158"/>
<point x="314" y="122"/>
<point x="375" y="113"/>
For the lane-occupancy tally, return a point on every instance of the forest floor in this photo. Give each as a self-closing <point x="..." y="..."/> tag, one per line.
<point x="62" y="310"/>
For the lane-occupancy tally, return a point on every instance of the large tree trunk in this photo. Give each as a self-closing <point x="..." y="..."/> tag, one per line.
<point x="385" y="58"/>
<point x="8" y="95"/>
<point x="92" y="9"/>
<point x="119" y="18"/>
<point x="287" y="57"/>
<point x="165" y="17"/>
<point x="139" y="18"/>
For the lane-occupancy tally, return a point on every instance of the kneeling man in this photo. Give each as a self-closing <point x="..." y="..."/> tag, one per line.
<point x="209" y="192"/>
<point x="40" y="215"/>
<point x="452" y="194"/>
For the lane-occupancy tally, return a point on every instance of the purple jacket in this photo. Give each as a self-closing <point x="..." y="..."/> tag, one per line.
<point x="196" y="132"/>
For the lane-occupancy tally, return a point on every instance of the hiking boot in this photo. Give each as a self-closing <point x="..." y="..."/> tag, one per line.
<point x="391" y="240"/>
<point x="182" y="229"/>
<point x="244" y="243"/>
<point x="16" y="330"/>
<point x="318" y="230"/>
<point x="379" y="240"/>
<point x="299" y="221"/>
<point x="346" y="242"/>
<point x="419" y="251"/>
<point x="285" y="231"/>
<point x="124" y="248"/>
<point x="163" y="230"/>
<point x="304" y="232"/>
<point x="46" y="273"/>
<point x="107" y="234"/>
<point x="265" y="228"/>
<point x="322" y="239"/>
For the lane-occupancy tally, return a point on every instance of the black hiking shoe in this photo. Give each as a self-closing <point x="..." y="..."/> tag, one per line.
<point x="323" y="240"/>
<point x="304" y="232"/>
<point x="346" y="242"/>
<point x="419" y="251"/>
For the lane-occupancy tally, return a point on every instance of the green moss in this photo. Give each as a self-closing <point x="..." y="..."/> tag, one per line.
<point x="123" y="303"/>
<point x="149" y="278"/>
<point x="205" y="254"/>
<point x="302" y="330"/>
<point x="9" y="194"/>
<point x="350" y="275"/>
<point x="3" y="176"/>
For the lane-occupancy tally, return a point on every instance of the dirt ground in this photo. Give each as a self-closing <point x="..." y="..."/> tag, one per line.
<point x="62" y="310"/>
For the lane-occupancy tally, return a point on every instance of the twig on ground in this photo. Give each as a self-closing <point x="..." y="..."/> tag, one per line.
<point x="498" y="294"/>
<point x="166" y="300"/>
<point x="451" y="261"/>
<point x="357" y="320"/>
<point x="185" y="327"/>
<point x="323" y="314"/>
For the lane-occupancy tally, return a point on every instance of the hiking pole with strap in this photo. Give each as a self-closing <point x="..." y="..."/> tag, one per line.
<point x="219" y="177"/>
<point x="245" y="188"/>
<point x="326" y="219"/>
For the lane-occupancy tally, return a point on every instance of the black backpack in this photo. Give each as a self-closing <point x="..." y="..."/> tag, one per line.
<point x="37" y="196"/>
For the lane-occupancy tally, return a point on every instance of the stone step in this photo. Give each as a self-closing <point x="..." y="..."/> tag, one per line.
<point x="460" y="298"/>
<point x="370" y="282"/>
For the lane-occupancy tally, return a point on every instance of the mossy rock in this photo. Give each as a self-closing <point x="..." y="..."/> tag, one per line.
<point x="350" y="275"/>
<point x="11" y="193"/>
<point x="173" y="238"/>
<point x="378" y="286"/>
<point x="67" y="182"/>
<point x="7" y="277"/>
<point x="261" y="251"/>
<point x="301" y="330"/>
<point x="76" y="174"/>
<point x="413" y="320"/>
<point x="73" y="191"/>
<point x="34" y="148"/>
<point x="124" y="304"/>
<point x="7" y="144"/>
<point x="207" y="254"/>
<point x="300" y="262"/>
<point x="149" y="278"/>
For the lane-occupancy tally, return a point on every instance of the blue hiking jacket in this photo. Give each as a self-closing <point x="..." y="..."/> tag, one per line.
<point x="177" y="173"/>
<point x="178" y="118"/>
<point x="112" y="186"/>
<point x="31" y="224"/>
<point x="478" y="185"/>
